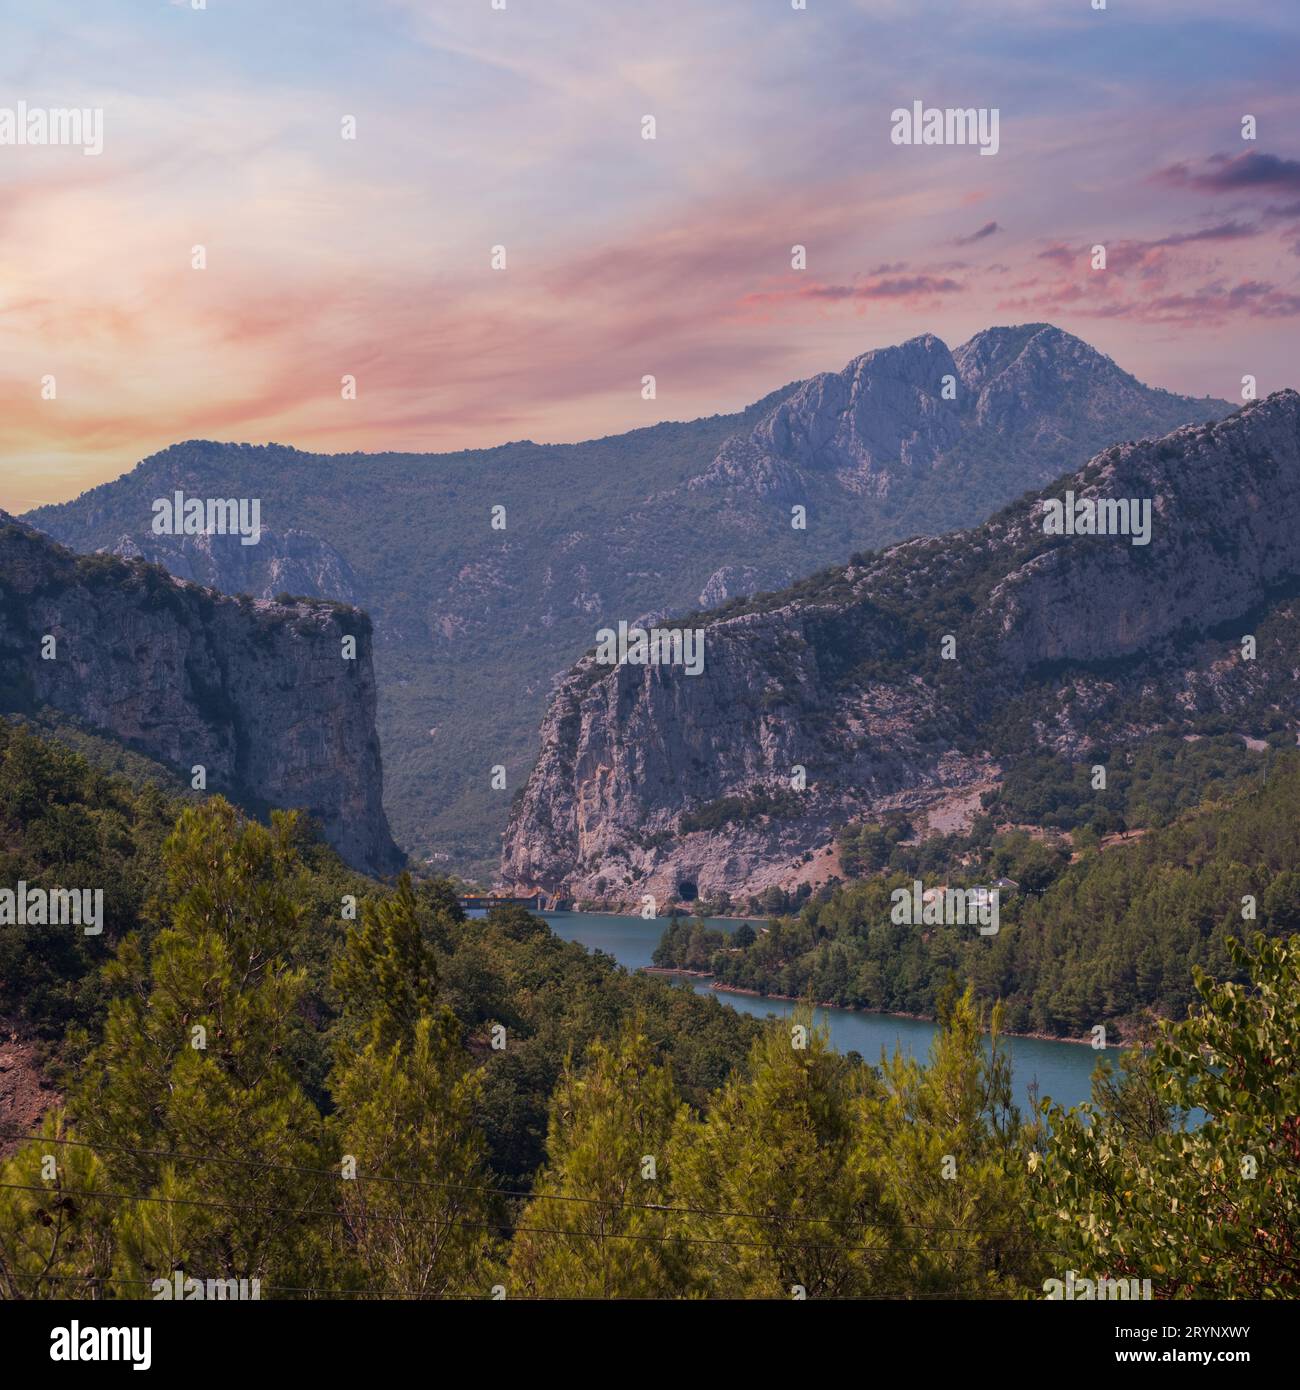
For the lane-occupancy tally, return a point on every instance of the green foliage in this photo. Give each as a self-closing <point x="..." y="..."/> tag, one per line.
<point x="741" y="810"/>
<point x="782" y="1193"/>
<point x="666" y="1146"/>
<point x="66" y="823"/>
<point x="555" y="1000"/>
<point x="868" y="847"/>
<point x="1111" y="938"/>
<point x="387" y="971"/>
<point x="773" y="900"/>
<point x="54" y="1243"/>
<point x="419" y="1212"/>
<point x="594" y="1228"/>
<point x="808" y="1176"/>
<point x="956" y="1174"/>
<point x="1148" y="785"/>
<point x="1212" y="1212"/>
<point x="689" y="944"/>
<point x="194" y="1061"/>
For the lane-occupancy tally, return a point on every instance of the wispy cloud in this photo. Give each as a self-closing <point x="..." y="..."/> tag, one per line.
<point x="673" y="257"/>
<point x="902" y="287"/>
<point x="1223" y="173"/>
<point x="982" y="234"/>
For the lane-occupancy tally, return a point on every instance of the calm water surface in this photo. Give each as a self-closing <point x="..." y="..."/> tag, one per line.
<point x="1062" y="1070"/>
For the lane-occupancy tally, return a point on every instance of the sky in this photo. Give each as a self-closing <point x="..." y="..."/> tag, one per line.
<point x="477" y="127"/>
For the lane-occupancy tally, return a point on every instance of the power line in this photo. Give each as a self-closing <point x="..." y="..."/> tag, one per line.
<point x="398" y="1294"/>
<point x="501" y="1226"/>
<point x="483" y="1189"/>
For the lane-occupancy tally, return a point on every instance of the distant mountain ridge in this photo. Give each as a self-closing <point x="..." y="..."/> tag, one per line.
<point x="472" y="623"/>
<point x="257" y="693"/>
<point x="1023" y="405"/>
<point x="651" y="779"/>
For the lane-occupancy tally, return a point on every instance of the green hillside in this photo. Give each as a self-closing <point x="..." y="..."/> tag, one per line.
<point x="1113" y="938"/>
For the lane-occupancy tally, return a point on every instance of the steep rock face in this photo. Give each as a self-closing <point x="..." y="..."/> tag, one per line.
<point x="876" y="424"/>
<point x="1224" y="514"/>
<point x="650" y="778"/>
<point x="258" y="693"/>
<point x="731" y="581"/>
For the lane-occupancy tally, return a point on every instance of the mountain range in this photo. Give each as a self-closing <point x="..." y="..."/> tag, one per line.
<point x="486" y="572"/>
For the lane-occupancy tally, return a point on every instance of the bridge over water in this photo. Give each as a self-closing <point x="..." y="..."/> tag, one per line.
<point x="537" y="902"/>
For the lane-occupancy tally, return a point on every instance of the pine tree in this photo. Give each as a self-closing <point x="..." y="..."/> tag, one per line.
<point x="188" y="1098"/>
<point x="420" y="1209"/>
<point x="387" y="973"/>
<point x="592" y="1230"/>
<point x="955" y="1162"/>
<point x="55" y="1241"/>
<point x="788" y="1203"/>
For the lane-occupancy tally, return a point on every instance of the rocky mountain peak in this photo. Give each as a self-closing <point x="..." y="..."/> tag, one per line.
<point x="906" y="416"/>
<point x="677" y="516"/>
<point x="884" y="405"/>
<point x="994" y="350"/>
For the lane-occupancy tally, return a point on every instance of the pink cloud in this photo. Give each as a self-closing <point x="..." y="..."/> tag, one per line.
<point x="919" y="287"/>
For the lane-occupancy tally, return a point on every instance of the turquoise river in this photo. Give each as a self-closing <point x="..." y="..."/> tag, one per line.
<point x="1061" y="1070"/>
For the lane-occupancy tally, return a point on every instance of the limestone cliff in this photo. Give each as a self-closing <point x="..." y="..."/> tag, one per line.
<point x="256" y="692"/>
<point x="650" y="779"/>
<point x="289" y="562"/>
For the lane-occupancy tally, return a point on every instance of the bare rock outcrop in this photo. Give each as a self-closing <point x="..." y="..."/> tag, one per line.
<point x="841" y="697"/>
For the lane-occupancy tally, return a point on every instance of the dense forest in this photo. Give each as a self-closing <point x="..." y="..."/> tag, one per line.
<point x="65" y="822"/>
<point x="1146" y="785"/>
<point x="261" y="1083"/>
<point x="1112" y="938"/>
